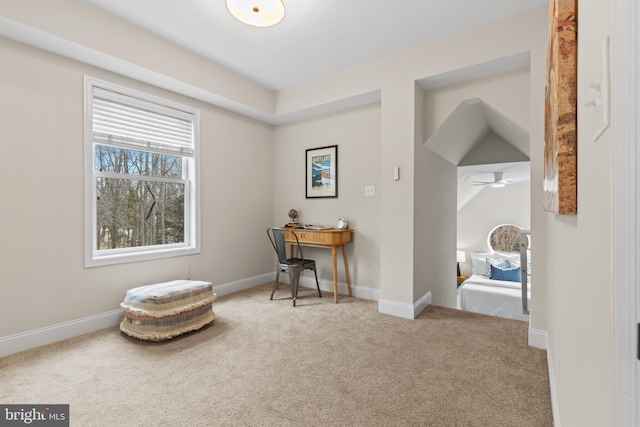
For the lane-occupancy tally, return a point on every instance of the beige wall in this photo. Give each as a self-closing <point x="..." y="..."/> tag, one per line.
<point x="580" y="300"/>
<point x="357" y="134"/>
<point x="43" y="278"/>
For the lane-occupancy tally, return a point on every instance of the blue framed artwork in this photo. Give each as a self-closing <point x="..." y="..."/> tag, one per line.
<point x="322" y="172"/>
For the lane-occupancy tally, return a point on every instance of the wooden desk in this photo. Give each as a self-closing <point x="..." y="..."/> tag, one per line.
<point x="329" y="238"/>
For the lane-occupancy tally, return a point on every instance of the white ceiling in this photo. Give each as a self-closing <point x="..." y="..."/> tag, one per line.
<point x="467" y="175"/>
<point x="315" y="38"/>
<point x="518" y="171"/>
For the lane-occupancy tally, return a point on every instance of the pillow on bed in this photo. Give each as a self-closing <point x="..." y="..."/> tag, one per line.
<point x="493" y="262"/>
<point x="480" y="265"/>
<point x="479" y="262"/>
<point x="506" y="274"/>
<point x="512" y="257"/>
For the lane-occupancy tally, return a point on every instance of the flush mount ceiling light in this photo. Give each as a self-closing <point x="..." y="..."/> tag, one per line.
<point x="259" y="13"/>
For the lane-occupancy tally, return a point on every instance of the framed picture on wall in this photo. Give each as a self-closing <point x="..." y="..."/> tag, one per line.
<point x="321" y="172"/>
<point x="561" y="142"/>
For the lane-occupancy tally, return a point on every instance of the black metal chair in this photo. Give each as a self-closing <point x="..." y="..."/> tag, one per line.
<point x="293" y="266"/>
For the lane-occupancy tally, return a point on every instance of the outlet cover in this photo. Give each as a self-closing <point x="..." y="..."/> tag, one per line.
<point x="369" y="190"/>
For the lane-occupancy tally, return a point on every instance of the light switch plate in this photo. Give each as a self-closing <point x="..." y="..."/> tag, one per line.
<point x="600" y="90"/>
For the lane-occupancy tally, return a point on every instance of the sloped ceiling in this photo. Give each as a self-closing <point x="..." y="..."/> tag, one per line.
<point x="480" y="140"/>
<point x="477" y="133"/>
<point x="467" y="175"/>
<point x="492" y="148"/>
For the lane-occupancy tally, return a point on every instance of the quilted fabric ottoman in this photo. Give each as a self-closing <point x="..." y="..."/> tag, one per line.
<point x="164" y="310"/>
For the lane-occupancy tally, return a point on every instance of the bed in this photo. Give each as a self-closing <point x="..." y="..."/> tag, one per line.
<point x="501" y="298"/>
<point x="495" y="286"/>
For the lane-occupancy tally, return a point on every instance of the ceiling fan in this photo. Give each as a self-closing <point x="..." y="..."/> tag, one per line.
<point x="498" y="181"/>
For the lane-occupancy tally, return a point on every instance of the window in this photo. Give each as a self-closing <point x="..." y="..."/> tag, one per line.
<point x="141" y="156"/>
<point x="505" y="238"/>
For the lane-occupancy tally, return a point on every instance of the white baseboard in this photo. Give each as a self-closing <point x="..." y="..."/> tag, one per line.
<point x="403" y="309"/>
<point x="555" y="410"/>
<point x="395" y="308"/>
<point x="242" y="284"/>
<point x="22" y="341"/>
<point x="421" y="304"/>
<point x="357" y="291"/>
<point x="58" y="332"/>
<point x="540" y="339"/>
<point x="364" y="292"/>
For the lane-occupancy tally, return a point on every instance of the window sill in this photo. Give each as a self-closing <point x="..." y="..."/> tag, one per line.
<point x="145" y="255"/>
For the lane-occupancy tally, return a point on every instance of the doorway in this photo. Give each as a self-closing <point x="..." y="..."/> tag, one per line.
<point x="484" y="204"/>
<point x="480" y="123"/>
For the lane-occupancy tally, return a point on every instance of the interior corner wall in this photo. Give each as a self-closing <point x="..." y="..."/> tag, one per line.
<point x="420" y="220"/>
<point x="356" y="132"/>
<point x="434" y="219"/>
<point x="539" y="230"/>
<point x="490" y="208"/>
<point x="435" y="230"/>
<point x="44" y="281"/>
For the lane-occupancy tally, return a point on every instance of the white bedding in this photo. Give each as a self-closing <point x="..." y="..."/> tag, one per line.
<point x="494" y="297"/>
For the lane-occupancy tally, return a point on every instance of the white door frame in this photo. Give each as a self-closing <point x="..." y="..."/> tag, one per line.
<point x="626" y="203"/>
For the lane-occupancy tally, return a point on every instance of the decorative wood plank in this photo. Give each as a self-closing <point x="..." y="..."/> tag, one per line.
<point x="561" y="142"/>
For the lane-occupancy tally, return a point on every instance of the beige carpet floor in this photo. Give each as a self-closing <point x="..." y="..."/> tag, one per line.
<point x="266" y="363"/>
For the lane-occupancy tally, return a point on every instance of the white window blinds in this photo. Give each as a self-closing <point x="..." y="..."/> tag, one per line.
<point x="130" y="123"/>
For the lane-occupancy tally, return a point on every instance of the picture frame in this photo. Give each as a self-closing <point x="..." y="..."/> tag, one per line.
<point x="560" y="183"/>
<point x="321" y="172"/>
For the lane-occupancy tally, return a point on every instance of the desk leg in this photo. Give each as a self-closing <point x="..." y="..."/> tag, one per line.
<point x="346" y="269"/>
<point x="334" y="253"/>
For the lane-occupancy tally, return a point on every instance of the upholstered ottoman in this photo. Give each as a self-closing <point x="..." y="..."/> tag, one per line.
<point x="164" y="310"/>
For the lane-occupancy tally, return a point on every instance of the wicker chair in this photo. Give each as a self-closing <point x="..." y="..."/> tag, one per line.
<point x="293" y="266"/>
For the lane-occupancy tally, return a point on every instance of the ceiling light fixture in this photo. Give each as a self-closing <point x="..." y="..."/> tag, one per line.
<point x="259" y="13"/>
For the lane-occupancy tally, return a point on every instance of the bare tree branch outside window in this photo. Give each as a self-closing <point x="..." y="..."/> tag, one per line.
<point x="505" y="238"/>
<point x="133" y="211"/>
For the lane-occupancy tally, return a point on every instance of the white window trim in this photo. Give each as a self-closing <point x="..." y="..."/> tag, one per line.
<point x="93" y="257"/>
